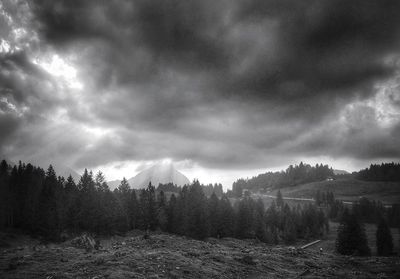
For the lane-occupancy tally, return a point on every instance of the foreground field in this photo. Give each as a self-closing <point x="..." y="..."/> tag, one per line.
<point x="169" y="256"/>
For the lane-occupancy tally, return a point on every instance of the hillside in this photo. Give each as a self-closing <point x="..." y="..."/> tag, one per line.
<point x="169" y="256"/>
<point x="347" y="190"/>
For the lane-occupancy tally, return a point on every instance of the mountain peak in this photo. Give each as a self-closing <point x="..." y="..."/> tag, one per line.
<point x="159" y="173"/>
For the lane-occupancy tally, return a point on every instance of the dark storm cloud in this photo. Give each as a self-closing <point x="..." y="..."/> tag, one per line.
<point x="224" y="83"/>
<point x="317" y="47"/>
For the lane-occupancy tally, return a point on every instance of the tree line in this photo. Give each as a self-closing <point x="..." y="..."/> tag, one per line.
<point x="43" y="204"/>
<point x="207" y="189"/>
<point x="382" y="172"/>
<point x="292" y="176"/>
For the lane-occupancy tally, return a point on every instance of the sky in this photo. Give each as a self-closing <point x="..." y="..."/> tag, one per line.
<point x="222" y="89"/>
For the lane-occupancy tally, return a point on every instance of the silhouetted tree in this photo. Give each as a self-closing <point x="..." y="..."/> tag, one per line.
<point x="49" y="223"/>
<point x="351" y="237"/>
<point x="226" y="218"/>
<point x="162" y="211"/>
<point x="279" y="199"/>
<point x="244" y="220"/>
<point x="212" y="216"/>
<point x="196" y="225"/>
<point x="384" y="240"/>
<point x="259" y="220"/>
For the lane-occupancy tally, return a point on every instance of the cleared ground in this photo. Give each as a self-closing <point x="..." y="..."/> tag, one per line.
<point x="170" y="256"/>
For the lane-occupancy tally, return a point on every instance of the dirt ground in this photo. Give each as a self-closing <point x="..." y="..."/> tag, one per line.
<point x="170" y="256"/>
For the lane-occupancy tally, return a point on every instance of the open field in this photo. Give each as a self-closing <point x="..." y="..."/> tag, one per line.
<point x="347" y="190"/>
<point x="170" y="256"/>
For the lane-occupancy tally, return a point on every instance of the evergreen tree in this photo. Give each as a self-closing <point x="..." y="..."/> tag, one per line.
<point x="172" y="223"/>
<point x="4" y="193"/>
<point x="162" y="215"/>
<point x="71" y="200"/>
<point x="289" y="232"/>
<point x="226" y="218"/>
<point x="148" y="208"/>
<point x="49" y="224"/>
<point x="318" y="198"/>
<point x="196" y="225"/>
<point x="259" y="219"/>
<point x="279" y="199"/>
<point x="88" y="216"/>
<point x="100" y="182"/>
<point x="351" y="237"/>
<point x="384" y="240"/>
<point x="213" y="218"/>
<point x="124" y="187"/>
<point x="244" y="220"/>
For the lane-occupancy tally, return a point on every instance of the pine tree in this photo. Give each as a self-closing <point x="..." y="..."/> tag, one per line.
<point x="71" y="212"/>
<point x="49" y="225"/>
<point x="148" y="208"/>
<point x="279" y="199"/>
<point x="318" y="198"/>
<point x="88" y="209"/>
<point x="123" y="187"/>
<point x="172" y="218"/>
<point x="244" y="220"/>
<point x="100" y="182"/>
<point x="152" y="206"/>
<point x="259" y="219"/>
<point x="162" y="215"/>
<point x="196" y="225"/>
<point x="351" y="237"/>
<point x="213" y="217"/>
<point x="384" y="240"/>
<point x="226" y="218"/>
<point x="289" y="232"/>
<point x="4" y="193"/>
<point x="133" y="210"/>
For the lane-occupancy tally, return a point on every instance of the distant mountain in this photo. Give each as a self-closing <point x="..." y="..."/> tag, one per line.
<point x="160" y="173"/>
<point x="113" y="184"/>
<point x="65" y="171"/>
<point x="340" y="172"/>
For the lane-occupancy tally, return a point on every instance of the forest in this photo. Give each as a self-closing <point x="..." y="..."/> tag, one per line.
<point x="382" y="172"/>
<point x="43" y="204"/>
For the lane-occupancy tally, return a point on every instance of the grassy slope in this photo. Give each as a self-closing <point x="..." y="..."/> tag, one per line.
<point x="169" y="256"/>
<point x="348" y="190"/>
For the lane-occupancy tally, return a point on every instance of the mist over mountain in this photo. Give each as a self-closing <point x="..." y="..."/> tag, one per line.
<point x="160" y="173"/>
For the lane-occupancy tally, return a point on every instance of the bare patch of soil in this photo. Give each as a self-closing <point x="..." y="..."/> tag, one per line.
<point x="170" y="256"/>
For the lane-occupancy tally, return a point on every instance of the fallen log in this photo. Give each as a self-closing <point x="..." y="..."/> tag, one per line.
<point x="310" y="244"/>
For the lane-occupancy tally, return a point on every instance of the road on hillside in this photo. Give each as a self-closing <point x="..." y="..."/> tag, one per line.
<point x="286" y="198"/>
<point x="310" y="199"/>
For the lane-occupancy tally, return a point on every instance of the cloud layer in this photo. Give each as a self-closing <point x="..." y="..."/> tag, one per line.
<point x="227" y="84"/>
